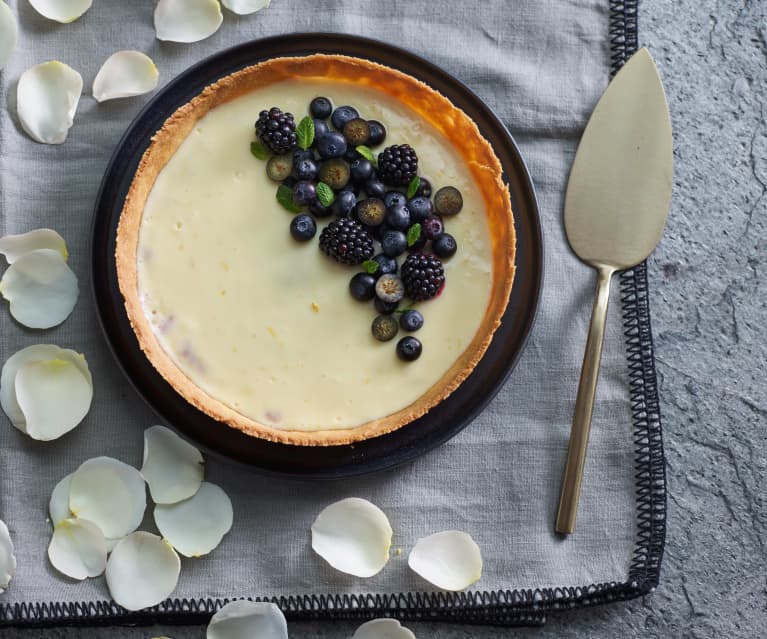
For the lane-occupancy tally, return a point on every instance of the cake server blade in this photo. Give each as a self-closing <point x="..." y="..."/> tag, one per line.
<point x="616" y="207"/>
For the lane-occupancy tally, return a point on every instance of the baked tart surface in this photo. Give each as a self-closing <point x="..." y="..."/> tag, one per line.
<point x="259" y="331"/>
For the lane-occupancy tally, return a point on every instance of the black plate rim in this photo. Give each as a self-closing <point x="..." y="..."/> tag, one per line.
<point x="358" y="462"/>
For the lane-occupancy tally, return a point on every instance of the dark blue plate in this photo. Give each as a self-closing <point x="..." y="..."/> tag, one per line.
<point x="410" y="441"/>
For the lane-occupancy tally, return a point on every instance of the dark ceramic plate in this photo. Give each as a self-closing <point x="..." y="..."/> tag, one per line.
<point x="418" y="437"/>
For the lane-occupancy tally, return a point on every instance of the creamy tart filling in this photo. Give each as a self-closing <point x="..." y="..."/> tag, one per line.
<point x="266" y="325"/>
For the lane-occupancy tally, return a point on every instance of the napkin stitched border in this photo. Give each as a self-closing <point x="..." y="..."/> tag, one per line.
<point x="500" y="607"/>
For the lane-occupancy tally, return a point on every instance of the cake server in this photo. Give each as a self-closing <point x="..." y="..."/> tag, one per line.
<point x="615" y="209"/>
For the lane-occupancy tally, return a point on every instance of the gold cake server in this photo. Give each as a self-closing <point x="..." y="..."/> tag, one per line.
<point x="616" y="207"/>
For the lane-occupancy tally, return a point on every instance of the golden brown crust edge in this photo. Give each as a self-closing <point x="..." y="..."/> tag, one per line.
<point x="450" y="121"/>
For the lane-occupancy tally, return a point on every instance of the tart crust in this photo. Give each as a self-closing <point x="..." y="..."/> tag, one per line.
<point x="451" y="122"/>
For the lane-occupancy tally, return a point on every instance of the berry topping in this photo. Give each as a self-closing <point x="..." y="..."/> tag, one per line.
<point x="423" y="276"/>
<point x="377" y="132"/>
<point x="279" y="167"/>
<point x="409" y="348"/>
<point x="385" y="263"/>
<point x="420" y="208"/>
<point x="320" y="128"/>
<point x="424" y="187"/>
<point x="303" y="227"/>
<point x="335" y="173"/>
<point x="276" y="130"/>
<point x="305" y="169"/>
<point x="444" y="245"/>
<point x="302" y="154"/>
<point x="389" y="288"/>
<point x="398" y="217"/>
<point x="385" y="308"/>
<point x="397" y="164"/>
<point x="331" y="145"/>
<point x="371" y="211"/>
<point x="375" y="188"/>
<point x="346" y="241"/>
<point x="393" y="243"/>
<point x="361" y="169"/>
<point x="362" y="287"/>
<point x="448" y="201"/>
<point x="411" y="320"/>
<point x="342" y="115"/>
<point x="357" y="131"/>
<point x="384" y="328"/>
<point x="320" y="107"/>
<point x="344" y="203"/>
<point x="432" y="226"/>
<point x="394" y="197"/>
<point x="304" y="192"/>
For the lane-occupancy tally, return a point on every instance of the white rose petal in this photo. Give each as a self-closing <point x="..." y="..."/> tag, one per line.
<point x="64" y="11"/>
<point x="124" y="75"/>
<point x="58" y="507"/>
<point x="9" y="32"/>
<point x="142" y="571"/>
<point x="248" y="620"/>
<point x="15" y="246"/>
<point x="187" y="20"/>
<point x="172" y="467"/>
<point x="7" y="558"/>
<point x="382" y="629"/>
<point x="353" y="536"/>
<point x="78" y="549"/>
<point x="450" y="560"/>
<point x="46" y="99"/>
<point x="11" y="367"/>
<point x="41" y="288"/>
<point x="245" y="7"/>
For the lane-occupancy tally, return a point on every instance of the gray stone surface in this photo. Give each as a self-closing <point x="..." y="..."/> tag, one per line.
<point x="709" y="314"/>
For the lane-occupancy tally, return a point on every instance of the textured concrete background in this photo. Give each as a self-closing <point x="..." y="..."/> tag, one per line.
<point x="709" y="315"/>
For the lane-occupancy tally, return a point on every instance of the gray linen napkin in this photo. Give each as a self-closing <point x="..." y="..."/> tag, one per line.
<point x="541" y="66"/>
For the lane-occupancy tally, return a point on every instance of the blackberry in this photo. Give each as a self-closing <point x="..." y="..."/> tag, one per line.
<point x="346" y="241"/>
<point x="397" y="164"/>
<point x="423" y="276"/>
<point x="276" y="130"/>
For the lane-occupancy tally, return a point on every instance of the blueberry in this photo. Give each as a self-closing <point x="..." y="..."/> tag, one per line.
<point x="384" y="328"/>
<point x="331" y="145"/>
<point x="394" y="197"/>
<point x="318" y="209"/>
<point x="390" y="288"/>
<point x="302" y="154"/>
<point x="304" y="192"/>
<point x="344" y="203"/>
<point x="342" y="115"/>
<point x="361" y="169"/>
<point x="375" y="188"/>
<point x="320" y="128"/>
<point x="335" y="173"/>
<point x="386" y="264"/>
<point x="305" y="170"/>
<point x="398" y="217"/>
<point x="279" y="167"/>
<point x="377" y="132"/>
<point x="393" y="243"/>
<point x="303" y="227"/>
<point x="357" y="132"/>
<point x="409" y="348"/>
<point x="371" y="211"/>
<point x="432" y="226"/>
<point x="420" y="208"/>
<point x="362" y="287"/>
<point x="385" y="308"/>
<point x="444" y="245"/>
<point x="424" y="187"/>
<point x="411" y="320"/>
<point x="448" y="201"/>
<point x="320" y="107"/>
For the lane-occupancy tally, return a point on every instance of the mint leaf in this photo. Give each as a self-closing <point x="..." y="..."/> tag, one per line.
<point x="259" y="150"/>
<point x="413" y="234"/>
<point x="366" y="153"/>
<point x="285" y="197"/>
<point x="325" y="194"/>
<point x="412" y="188"/>
<point x="305" y="133"/>
<point x="370" y="266"/>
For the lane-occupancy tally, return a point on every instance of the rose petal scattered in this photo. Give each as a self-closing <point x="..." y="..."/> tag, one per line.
<point x="172" y="467"/>
<point x="187" y="20"/>
<point x="64" y="11"/>
<point x="109" y="493"/>
<point x="41" y="288"/>
<point x="383" y="629"/>
<point x="78" y="549"/>
<point x="196" y="525"/>
<point x="142" y="571"/>
<point x="58" y="507"/>
<point x="11" y="367"/>
<point x="7" y="558"/>
<point x="245" y="7"/>
<point x="125" y="74"/>
<point x="9" y="32"/>
<point x="354" y="536"/>
<point x="47" y="98"/>
<point x="248" y="619"/>
<point x="15" y="246"/>
<point x="450" y="560"/>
